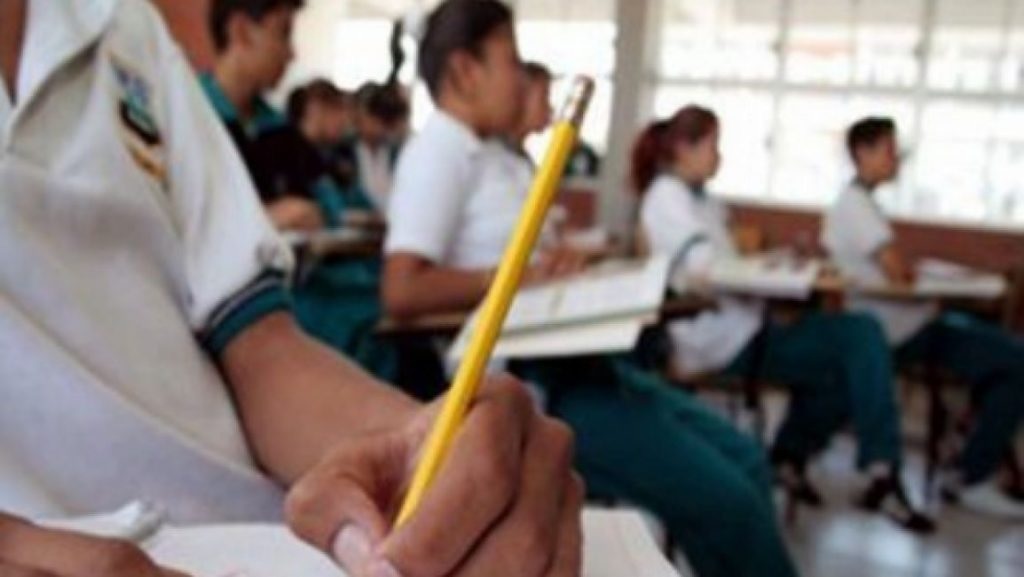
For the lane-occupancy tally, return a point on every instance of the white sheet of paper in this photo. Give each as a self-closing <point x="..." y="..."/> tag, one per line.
<point x="945" y="279"/>
<point x="600" y="337"/>
<point x="941" y="279"/>
<point x="603" y="311"/>
<point x="614" y="290"/>
<point x="617" y="545"/>
<point x="770" y="276"/>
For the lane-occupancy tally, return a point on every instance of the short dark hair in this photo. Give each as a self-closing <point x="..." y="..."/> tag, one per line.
<point x="222" y="10"/>
<point x="319" y="90"/>
<point x="867" y="132"/>
<point x="457" y="26"/>
<point x="385" y="102"/>
<point x="535" y="71"/>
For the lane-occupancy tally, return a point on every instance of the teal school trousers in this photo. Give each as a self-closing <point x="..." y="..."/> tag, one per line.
<point x="642" y="442"/>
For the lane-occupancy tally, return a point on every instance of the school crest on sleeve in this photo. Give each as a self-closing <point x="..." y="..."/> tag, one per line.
<point x="138" y="125"/>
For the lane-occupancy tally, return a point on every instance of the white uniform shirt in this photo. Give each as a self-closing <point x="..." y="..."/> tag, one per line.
<point x="853" y="231"/>
<point x="457" y="198"/>
<point x="129" y="233"/>
<point x="374" y="168"/>
<point x="693" y="231"/>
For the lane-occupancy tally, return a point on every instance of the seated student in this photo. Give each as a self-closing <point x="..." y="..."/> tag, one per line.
<point x="339" y="300"/>
<point x="253" y="43"/>
<point x="862" y="242"/>
<point x="457" y="193"/>
<point x="325" y="115"/>
<point x="838" y="365"/>
<point x="382" y="114"/>
<point x="147" y="351"/>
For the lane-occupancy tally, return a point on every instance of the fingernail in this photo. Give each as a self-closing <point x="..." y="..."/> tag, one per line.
<point x="383" y="568"/>
<point x="351" y="547"/>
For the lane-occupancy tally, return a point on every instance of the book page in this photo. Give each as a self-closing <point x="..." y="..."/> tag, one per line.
<point x="618" y="544"/>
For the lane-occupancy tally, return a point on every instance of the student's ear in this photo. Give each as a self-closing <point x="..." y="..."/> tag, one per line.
<point x="463" y="70"/>
<point x="239" y="30"/>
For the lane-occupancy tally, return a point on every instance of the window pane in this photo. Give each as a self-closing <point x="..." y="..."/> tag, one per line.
<point x="967" y="45"/>
<point x="886" y="40"/>
<point x="733" y="39"/>
<point x="1011" y="72"/>
<point x="810" y="154"/>
<point x="820" y="48"/>
<point x="951" y="159"/>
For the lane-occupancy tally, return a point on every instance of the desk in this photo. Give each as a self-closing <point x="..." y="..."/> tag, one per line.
<point x="340" y="242"/>
<point x="449" y="324"/>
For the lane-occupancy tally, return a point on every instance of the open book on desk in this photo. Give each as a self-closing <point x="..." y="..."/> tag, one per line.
<point x="770" y="275"/>
<point x="618" y="544"/>
<point x="601" y="311"/>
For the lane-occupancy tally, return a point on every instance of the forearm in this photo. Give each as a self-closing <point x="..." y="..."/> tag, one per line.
<point x="429" y="289"/>
<point x="297" y="398"/>
<point x="897" y="270"/>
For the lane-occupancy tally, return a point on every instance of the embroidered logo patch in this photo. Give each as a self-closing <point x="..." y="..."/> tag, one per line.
<point x="135" y="111"/>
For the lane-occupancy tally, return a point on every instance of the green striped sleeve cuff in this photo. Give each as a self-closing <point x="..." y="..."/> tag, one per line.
<point x="265" y="295"/>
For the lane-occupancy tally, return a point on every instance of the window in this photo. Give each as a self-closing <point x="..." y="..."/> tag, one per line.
<point x="347" y="40"/>
<point x="788" y="76"/>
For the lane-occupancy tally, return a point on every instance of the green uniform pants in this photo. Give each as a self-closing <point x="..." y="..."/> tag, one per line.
<point x="640" y="441"/>
<point x="838" y="368"/>
<point x="991" y="360"/>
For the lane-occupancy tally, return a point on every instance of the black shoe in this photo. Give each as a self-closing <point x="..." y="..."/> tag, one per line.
<point x="793" y="479"/>
<point x="887" y="495"/>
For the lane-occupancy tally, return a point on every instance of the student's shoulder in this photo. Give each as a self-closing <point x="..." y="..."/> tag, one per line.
<point x="138" y="27"/>
<point x="666" y="192"/>
<point x="427" y="154"/>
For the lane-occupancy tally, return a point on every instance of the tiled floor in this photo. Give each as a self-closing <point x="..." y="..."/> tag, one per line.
<point x="841" y="541"/>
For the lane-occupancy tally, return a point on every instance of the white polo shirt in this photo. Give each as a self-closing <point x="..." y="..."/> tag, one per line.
<point x="375" y="166"/>
<point x="132" y="249"/>
<point x="457" y="198"/>
<point x="693" y="231"/>
<point x="854" y="230"/>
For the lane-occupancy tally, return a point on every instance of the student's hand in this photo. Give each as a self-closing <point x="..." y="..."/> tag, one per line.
<point x="30" y="551"/>
<point x="294" y="213"/>
<point x="506" y="501"/>
<point x="557" y="263"/>
<point x="896" y="268"/>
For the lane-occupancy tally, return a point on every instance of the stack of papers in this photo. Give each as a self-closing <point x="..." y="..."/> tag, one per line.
<point x="618" y="544"/>
<point x="602" y="311"/>
<point x="768" y="276"/>
<point x="944" y="279"/>
<point x="937" y="279"/>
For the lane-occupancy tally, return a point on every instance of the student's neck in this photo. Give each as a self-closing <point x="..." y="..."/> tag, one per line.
<point x="868" y="184"/>
<point x="12" y="31"/>
<point x="238" y="89"/>
<point x="693" y="183"/>
<point x="461" y="111"/>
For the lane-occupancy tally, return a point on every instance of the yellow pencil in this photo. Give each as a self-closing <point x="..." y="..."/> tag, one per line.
<point x="499" y="297"/>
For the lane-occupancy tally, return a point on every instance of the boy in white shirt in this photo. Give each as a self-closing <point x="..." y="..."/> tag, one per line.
<point x="147" y="350"/>
<point x="861" y="240"/>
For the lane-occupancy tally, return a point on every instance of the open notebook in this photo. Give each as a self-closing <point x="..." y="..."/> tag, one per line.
<point x="600" y="311"/>
<point x="618" y="544"/>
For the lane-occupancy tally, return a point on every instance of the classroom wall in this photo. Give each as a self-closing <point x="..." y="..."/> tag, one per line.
<point x="187" y="21"/>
